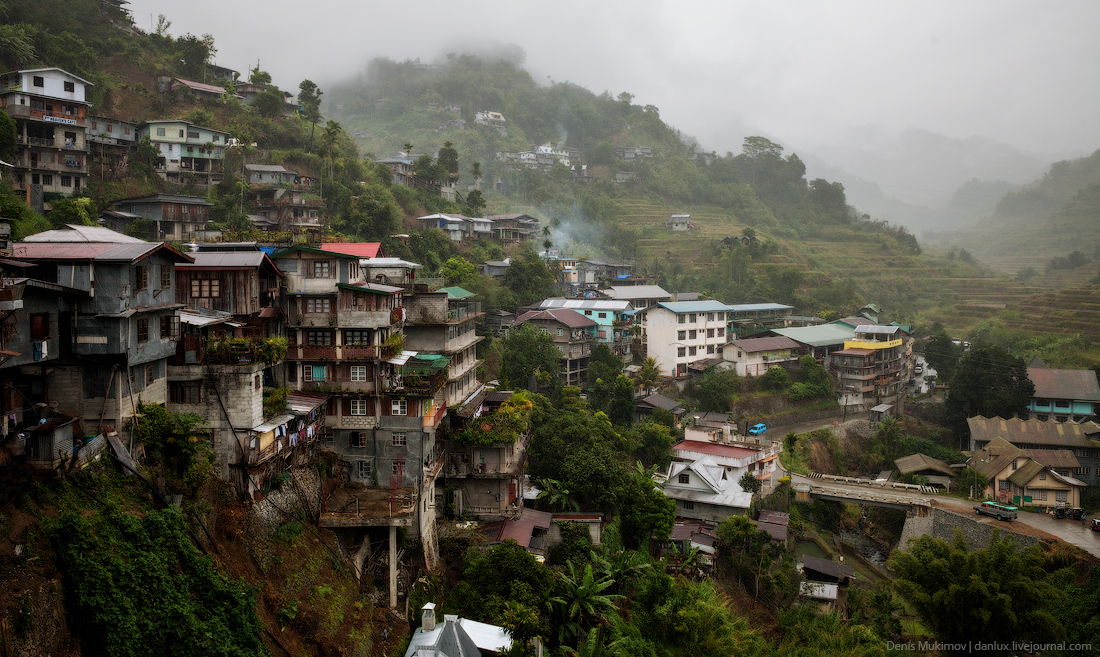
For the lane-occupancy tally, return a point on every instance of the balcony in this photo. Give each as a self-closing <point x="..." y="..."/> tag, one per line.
<point x="462" y="310"/>
<point x="339" y="385"/>
<point x="333" y="353"/>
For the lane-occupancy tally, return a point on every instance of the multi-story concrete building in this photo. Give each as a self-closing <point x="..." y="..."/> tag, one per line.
<point x="614" y="319"/>
<point x="873" y="364"/>
<point x="346" y="317"/>
<point x="574" y="335"/>
<point x="679" y="333"/>
<point x="445" y="322"/>
<point x="50" y="109"/>
<point x="116" y="340"/>
<point x="187" y="152"/>
<point x="110" y="143"/>
<point x="173" y="217"/>
<point x="286" y="199"/>
<point x="1063" y="395"/>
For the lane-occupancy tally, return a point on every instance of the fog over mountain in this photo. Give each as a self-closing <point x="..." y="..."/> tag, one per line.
<point x="918" y="97"/>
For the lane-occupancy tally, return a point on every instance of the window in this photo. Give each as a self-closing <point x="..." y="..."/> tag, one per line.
<point x="710" y="317"/>
<point x="398" y="468"/>
<point x="38" y="81"/>
<point x="150" y="374"/>
<point x="681" y="352"/>
<point x="400" y="439"/>
<point x="1061" y="403"/>
<point x="603" y="334"/>
<point x="684" y="479"/>
<point x="681" y="335"/>
<point x="689" y="506"/>
<point x="160" y="132"/>
<point x="35" y="179"/>
<point x="319" y="338"/>
<point x="602" y="315"/>
<point x="1081" y="471"/>
<point x="358" y="372"/>
<point x="710" y="333"/>
<point x="70" y="86"/>
<point x="721" y="332"/>
<point x="256" y="382"/>
<point x="561" y="349"/>
<point x="166" y="277"/>
<point x="359" y="407"/>
<point x="1004" y="485"/>
<point x="322" y="269"/>
<point x="356" y="337"/>
<point x="1038" y="495"/>
<point x="1061" y="496"/>
<point x="181" y="134"/>
<point x="1043" y="475"/>
<point x="192" y="134"/>
<point x="357" y="439"/>
<point x="691" y="351"/>
<point x="319" y="305"/>
<point x="691" y="318"/>
<point x="561" y="332"/>
<point x="47" y="179"/>
<point x="710" y="349"/>
<point x="66" y="181"/>
<point x="170" y="326"/>
<point x="216" y="138"/>
<point x="205" y="288"/>
<point x="40" y="326"/>
<point x="143" y="330"/>
<point x="692" y="334"/>
<point x="364" y="469"/>
<point x="588" y="313"/>
<point x="185" y="392"/>
<point x="1015" y="463"/>
<point x="680" y="319"/>
<point x="314" y="373"/>
<point x="399" y="407"/>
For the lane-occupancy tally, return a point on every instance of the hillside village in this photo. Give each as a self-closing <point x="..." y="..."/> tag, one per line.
<point x="397" y="406"/>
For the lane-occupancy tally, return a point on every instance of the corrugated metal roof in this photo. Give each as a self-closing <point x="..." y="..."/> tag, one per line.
<point x="826" y="567"/>
<point x="76" y="233"/>
<point x="714" y="449"/>
<point x="1033" y="432"/>
<point x="301" y="403"/>
<point x="374" y="288"/>
<point x="588" y="304"/>
<point x="637" y="292"/>
<point x="747" y="307"/>
<point x="766" y="344"/>
<point x="878" y="329"/>
<point x="357" y="249"/>
<point x="818" y="336"/>
<point x="455" y="292"/>
<point x="918" y="462"/>
<point x="166" y="198"/>
<point x="566" y="316"/>
<point x="680" y="307"/>
<point x="388" y="262"/>
<point x="660" y="401"/>
<point x="1064" y="384"/>
<point x="91" y="251"/>
<point x="267" y="168"/>
<point x="1055" y="458"/>
<point x="227" y="259"/>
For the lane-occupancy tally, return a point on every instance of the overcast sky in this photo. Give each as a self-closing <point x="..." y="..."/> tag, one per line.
<point x="804" y="73"/>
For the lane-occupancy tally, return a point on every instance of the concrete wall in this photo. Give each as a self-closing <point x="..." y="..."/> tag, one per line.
<point x="942" y="525"/>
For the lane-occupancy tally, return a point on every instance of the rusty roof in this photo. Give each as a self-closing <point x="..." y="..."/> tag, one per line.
<point x="766" y="344"/>
<point x="357" y="249"/>
<point x="565" y="316"/>
<point x="1064" y="384"/>
<point x="1034" y="432"/>
<point x="100" y="251"/>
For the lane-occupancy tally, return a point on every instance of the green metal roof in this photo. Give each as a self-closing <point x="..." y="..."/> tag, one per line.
<point x="818" y="336"/>
<point x="455" y="292"/>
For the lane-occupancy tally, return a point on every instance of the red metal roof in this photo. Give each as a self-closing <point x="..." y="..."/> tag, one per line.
<point x="714" y="449"/>
<point x="566" y="316"/>
<point x="521" y="528"/>
<point x="360" y="249"/>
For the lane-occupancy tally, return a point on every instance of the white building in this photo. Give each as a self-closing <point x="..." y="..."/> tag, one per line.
<point x="704" y="475"/>
<point x="678" y="333"/>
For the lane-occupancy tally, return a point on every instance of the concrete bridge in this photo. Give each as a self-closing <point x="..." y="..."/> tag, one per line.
<point x="913" y="499"/>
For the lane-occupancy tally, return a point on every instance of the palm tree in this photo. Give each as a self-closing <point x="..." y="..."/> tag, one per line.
<point x="582" y="602"/>
<point x="592" y="645"/>
<point x="408" y="149"/>
<point x="649" y="375"/>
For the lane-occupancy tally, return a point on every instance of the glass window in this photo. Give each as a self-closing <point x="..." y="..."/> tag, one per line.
<point x="692" y="334"/>
<point x="166" y="277"/>
<point x="143" y="329"/>
<point x="314" y="373"/>
<point x="141" y="278"/>
<point x="681" y="335"/>
<point x="1061" y="496"/>
<point x="150" y="374"/>
<point x="691" y="351"/>
<point x="710" y="333"/>
<point x="691" y="318"/>
<point x="357" y="337"/>
<point x="38" y="81"/>
<point x="400" y="439"/>
<point x="358" y="372"/>
<point x="160" y="132"/>
<point x="66" y="181"/>
<point x="319" y="338"/>
<point x="205" y="288"/>
<point x="192" y="134"/>
<point x="399" y="407"/>
<point x="680" y="319"/>
<point x="359" y="407"/>
<point x="357" y="439"/>
<point x="319" y="305"/>
<point x="721" y="332"/>
<point x="561" y="332"/>
<point x="364" y="469"/>
<point x="684" y="479"/>
<point x="170" y="326"/>
<point x="682" y="351"/>
<point x="710" y="317"/>
<point x="185" y="392"/>
<point x="603" y="315"/>
<point x="322" y="269"/>
<point x="70" y="86"/>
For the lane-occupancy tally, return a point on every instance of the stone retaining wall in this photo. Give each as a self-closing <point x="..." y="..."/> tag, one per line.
<point x="943" y="523"/>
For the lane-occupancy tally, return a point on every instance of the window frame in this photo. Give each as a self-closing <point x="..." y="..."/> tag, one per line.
<point x="399" y="439"/>
<point x="399" y="407"/>
<point x="357" y="373"/>
<point x="358" y="407"/>
<point x="143" y="329"/>
<point x="169" y="326"/>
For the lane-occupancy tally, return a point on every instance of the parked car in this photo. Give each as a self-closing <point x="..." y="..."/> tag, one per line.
<point x="758" y="429"/>
<point x="1096" y="524"/>
<point x="919" y="369"/>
